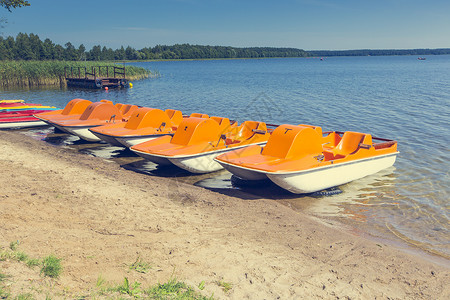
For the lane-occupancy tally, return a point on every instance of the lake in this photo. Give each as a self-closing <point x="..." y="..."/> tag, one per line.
<point x="401" y="98"/>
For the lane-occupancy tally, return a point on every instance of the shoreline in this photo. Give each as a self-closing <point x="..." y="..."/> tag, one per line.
<point x="394" y="240"/>
<point x="220" y="182"/>
<point x="264" y="248"/>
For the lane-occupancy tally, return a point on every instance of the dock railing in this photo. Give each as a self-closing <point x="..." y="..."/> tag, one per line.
<point x="95" y="72"/>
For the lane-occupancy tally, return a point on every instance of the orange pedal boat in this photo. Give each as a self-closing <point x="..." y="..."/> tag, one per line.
<point x="198" y="141"/>
<point x="96" y="114"/>
<point x="301" y="159"/>
<point x="73" y="109"/>
<point x="144" y="124"/>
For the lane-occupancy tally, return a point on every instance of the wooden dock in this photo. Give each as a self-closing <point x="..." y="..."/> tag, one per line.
<point x="99" y="77"/>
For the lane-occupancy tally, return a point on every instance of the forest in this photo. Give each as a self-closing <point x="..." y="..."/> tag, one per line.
<point x="30" y="47"/>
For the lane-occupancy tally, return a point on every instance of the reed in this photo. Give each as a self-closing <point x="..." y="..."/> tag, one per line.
<point x="39" y="73"/>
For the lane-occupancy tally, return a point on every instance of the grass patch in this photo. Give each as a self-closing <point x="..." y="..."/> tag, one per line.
<point x="2" y="277"/>
<point x="14" y="245"/>
<point x="140" y="266"/>
<point x="171" y="290"/>
<point x="174" y="289"/>
<point x="24" y="297"/>
<point x="51" y="266"/>
<point x="4" y="294"/>
<point x="6" y="255"/>
<point x="32" y="262"/>
<point x="37" y="73"/>
<point x="100" y="281"/>
<point x="226" y="286"/>
<point x="129" y="289"/>
<point x="21" y="256"/>
<point x="201" y="285"/>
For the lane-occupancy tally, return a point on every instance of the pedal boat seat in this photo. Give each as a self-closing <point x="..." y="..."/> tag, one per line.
<point x="349" y="144"/>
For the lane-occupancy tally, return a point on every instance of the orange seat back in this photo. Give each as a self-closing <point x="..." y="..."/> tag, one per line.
<point x="290" y="141"/>
<point x="128" y="109"/>
<point x="175" y="116"/>
<point x="224" y="124"/>
<point x="245" y="130"/>
<point x="106" y="101"/>
<point x="76" y="106"/>
<point x="199" y="115"/>
<point x="101" y="111"/>
<point x="350" y="142"/>
<point x="148" y="117"/>
<point x="196" y="130"/>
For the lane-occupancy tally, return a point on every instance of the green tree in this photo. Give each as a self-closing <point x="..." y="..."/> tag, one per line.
<point x="48" y="49"/>
<point x="58" y="52"/>
<point x="22" y="48"/>
<point x="130" y="53"/>
<point x="36" y="47"/>
<point x="9" y="4"/>
<point x="6" y="46"/>
<point x="95" y="53"/>
<point x="119" y="54"/>
<point x="71" y="52"/>
<point x="81" y="52"/>
<point x="3" y="50"/>
<point x="107" y="53"/>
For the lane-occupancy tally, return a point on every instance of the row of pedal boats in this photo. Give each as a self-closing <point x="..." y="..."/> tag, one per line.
<point x="299" y="158"/>
<point x="18" y="114"/>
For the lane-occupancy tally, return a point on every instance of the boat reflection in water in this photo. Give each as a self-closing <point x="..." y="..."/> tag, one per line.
<point x="357" y="198"/>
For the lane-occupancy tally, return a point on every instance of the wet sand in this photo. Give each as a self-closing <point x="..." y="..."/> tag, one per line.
<point x="99" y="217"/>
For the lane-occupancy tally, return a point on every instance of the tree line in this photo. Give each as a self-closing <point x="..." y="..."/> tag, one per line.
<point x="31" y="47"/>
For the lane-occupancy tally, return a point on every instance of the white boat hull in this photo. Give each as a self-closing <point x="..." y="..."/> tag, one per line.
<point x="108" y="139"/>
<point x="157" y="159"/>
<point x="62" y="128"/>
<point x="204" y="162"/>
<point x="22" y="124"/>
<point x="318" y="179"/>
<point x="198" y="164"/>
<point x="244" y="173"/>
<point x="195" y="163"/>
<point x="81" y="132"/>
<point x="130" y="141"/>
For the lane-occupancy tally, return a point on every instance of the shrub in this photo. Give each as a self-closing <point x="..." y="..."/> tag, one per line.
<point x="51" y="266"/>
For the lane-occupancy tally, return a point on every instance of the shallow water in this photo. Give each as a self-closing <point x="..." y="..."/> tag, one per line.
<point x="392" y="97"/>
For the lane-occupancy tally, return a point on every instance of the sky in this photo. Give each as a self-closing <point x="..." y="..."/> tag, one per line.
<point x="303" y="24"/>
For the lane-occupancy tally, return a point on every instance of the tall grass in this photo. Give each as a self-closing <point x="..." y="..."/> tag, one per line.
<point x="37" y="73"/>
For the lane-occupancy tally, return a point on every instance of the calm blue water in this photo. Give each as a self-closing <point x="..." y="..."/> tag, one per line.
<point x="393" y="97"/>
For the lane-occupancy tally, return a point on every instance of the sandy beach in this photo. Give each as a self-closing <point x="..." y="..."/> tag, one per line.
<point x="100" y="218"/>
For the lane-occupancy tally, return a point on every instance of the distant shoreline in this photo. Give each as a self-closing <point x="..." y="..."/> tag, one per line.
<point x="262" y="58"/>
<point x="380" y="52"/>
